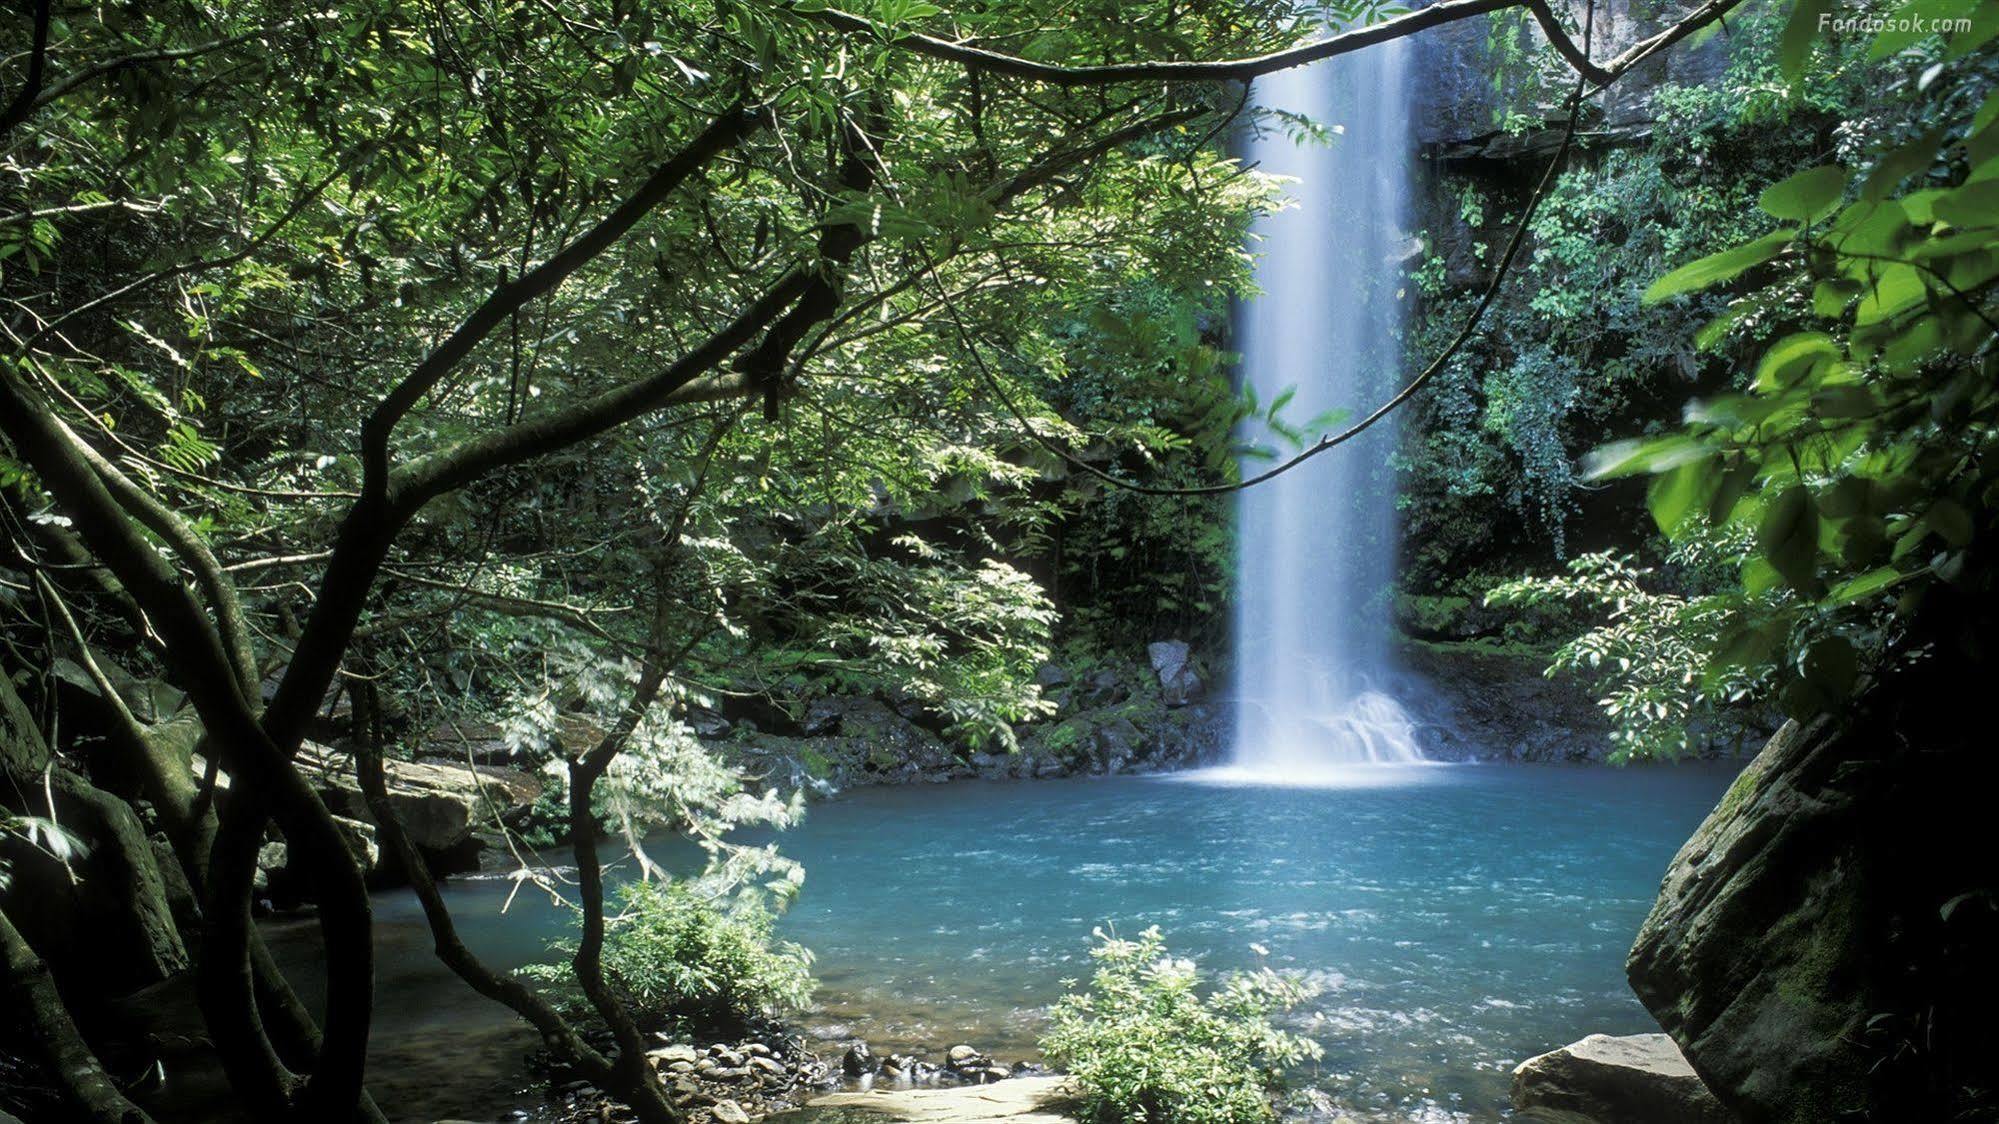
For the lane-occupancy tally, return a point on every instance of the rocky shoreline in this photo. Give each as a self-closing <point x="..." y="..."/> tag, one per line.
<point x="1113" y="715"/>
<point x="737" y="1082"/>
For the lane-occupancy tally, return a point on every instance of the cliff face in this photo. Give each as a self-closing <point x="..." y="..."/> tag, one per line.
<point x="1457" y="103"/>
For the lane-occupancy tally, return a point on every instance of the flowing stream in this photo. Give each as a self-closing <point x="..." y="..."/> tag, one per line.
<point x="1317" y="545"/>
<point x="1463" y="918"/>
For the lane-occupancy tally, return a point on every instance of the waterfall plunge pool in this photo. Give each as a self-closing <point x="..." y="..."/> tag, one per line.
<point x="1462" y="918"/>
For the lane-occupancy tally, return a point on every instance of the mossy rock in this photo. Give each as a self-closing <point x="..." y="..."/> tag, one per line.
<point x="1802" y="950"/>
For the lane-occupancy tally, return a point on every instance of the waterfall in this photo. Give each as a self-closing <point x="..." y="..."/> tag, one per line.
<point x="1318" y="545"/>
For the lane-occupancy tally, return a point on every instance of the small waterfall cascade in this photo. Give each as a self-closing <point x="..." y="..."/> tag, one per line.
<point x="1318" y="544"/>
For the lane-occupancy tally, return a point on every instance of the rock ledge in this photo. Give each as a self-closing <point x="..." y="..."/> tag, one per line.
<point x="1604" y="1079"/>
<point x="1019" y="1100"/>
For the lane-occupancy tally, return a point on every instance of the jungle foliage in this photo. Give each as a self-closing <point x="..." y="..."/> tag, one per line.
<point x="377" y="371"/>
<point x="373" y="371"/>
<point x="1845" y="482"/>
<point x="1490" y="468"/>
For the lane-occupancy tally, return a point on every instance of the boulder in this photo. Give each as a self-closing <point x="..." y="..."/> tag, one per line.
<point x="1019" y="1100"/>
<point x="1116" y="743"/>
<point x="707" y="723"/>
<point x="1633" y="1079"/>
<point x="443" y="806"/>
<point x="822" y="717"/>
<point x="1172" y="663"/>
<point x="1050" y="676"/>
<point x="1821" y="947"/>
<point x="858" y="1061"/>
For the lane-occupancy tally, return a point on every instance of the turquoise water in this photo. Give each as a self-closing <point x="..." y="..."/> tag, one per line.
<point x="1461" y="918"/>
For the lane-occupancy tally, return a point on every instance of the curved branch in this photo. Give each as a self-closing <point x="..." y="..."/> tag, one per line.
<point x="31" y="988"/>
<point x="205" y="669"/>
<point x="1243" y="69"/>
<point x="193" y="551"/>
<point x="449" y="946"/>
<point x="1330" y="441"/>
<point x="1056" y="74"/>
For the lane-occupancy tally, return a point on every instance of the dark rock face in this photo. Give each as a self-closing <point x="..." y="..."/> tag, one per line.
<point x="1821" y="947"/>
<point x="1122" y="718"/>
<point x="1634" y="1079"/>
<point x="1477" y="703"/>
<point x="1454" y="97"/>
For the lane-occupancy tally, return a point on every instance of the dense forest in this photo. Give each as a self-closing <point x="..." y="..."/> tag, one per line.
<point x="485" y="482"/>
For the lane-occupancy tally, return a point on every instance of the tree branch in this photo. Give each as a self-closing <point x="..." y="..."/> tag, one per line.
<point x="24" y="102"/>
<point x="722" y="133"/>
<point x="1055" y="74"/>
<point x="1243" y="69"/>
<point x="31" y="988"/>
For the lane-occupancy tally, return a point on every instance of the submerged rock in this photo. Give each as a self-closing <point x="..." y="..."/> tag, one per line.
<point x="1634" y="1079"/>
<point x="858" y="1061"/>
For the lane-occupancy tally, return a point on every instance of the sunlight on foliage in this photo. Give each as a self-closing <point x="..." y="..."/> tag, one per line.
<point x="1649" y="658"/>
<point x="681" y="961"/>
<point x="1147" y="1043"/>
<point x="1858" y="460"/>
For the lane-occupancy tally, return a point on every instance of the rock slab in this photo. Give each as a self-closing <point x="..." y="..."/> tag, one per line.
<point x="1606" y="1079"/>
<point x="1019" y="1100"/>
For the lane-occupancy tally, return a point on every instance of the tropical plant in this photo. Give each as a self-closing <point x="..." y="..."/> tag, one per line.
<point x="373" y="353"/>
<point x="683" y="960"/>
<point x="1148" y="1045"/>
<point x="1648" y="654"/>
<point x="1490" y="479"/>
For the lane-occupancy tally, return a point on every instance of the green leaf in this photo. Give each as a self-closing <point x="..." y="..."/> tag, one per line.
<point x="1807" y="196"/>
<point x="1676" y="494"/>
<point x="1716" y="268"/>
<point x="1895" y="288"/>
<point x="1734" y="485"/>
<point x="1800" y="32"/>
<point x="1786" y="362"/>
<point x="1973" y="206"/>
<point x="1648" y="455"/>
<point x="1789" y="537"/>
<point x="1832" y="666"/>
<point x="1901" y="162"/>
<point x="1865" y="586"/>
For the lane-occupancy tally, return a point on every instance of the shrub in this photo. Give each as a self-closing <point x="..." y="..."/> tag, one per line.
<point x="680" y="959"/>
<point x="1145" y="1044"/>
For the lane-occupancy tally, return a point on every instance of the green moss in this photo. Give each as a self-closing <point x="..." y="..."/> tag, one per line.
<point x="1738" y="794"/>
<point x="1824" y="940"/>
<point x="1062" y="739"/>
